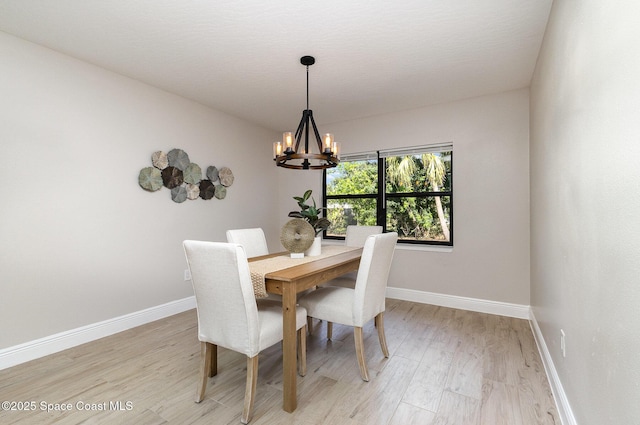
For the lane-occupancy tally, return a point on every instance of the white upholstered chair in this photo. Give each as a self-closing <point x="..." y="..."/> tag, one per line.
<point x="253" y="241"/>
<point x="229" y="317"/>
<point x="355" y="307"/>
<point x="255" y="244"/>
<point x="355" y="237"/>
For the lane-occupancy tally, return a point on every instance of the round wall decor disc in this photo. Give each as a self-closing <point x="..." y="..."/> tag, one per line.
<point x="178" y="158"/>
<point x="179" y="194"/>
<point x="150" y="178"/>
<point x="226" y="176"/>
<point x="172" y="177"/>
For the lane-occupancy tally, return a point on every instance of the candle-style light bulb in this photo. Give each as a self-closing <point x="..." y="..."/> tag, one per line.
<point x="336" y="149"/>
<point x="277" y="149"/>
<point x="287" y="141"/>
<point x="328" y="142"/>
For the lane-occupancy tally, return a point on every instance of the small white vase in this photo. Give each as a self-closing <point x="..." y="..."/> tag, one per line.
<point x="315" y="249"/>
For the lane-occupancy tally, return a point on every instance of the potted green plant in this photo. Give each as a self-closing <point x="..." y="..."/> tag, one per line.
<point x="311" y="213"/>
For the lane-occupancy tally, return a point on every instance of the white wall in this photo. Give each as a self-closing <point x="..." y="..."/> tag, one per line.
<point x="585" y="203"/>
<point x="81" y="242"/>
<point x="490" y="135"/>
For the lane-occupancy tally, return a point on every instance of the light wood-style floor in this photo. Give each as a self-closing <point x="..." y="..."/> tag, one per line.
<point x="446" y="366"/>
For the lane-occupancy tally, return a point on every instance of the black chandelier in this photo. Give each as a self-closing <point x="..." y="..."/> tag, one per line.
<point x="300" y="157"/>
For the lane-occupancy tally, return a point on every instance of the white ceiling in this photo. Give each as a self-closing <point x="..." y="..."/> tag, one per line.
<point x="242" y="56"/>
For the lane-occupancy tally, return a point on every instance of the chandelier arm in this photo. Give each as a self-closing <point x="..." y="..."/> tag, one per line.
<point x="306" y="131"/>
<point x="318" y="138"/>
<point x="298" y="133"/>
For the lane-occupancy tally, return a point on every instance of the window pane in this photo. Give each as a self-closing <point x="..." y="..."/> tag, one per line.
<point x="344" y="212"/>
<point x="429" y="172"/>
<point x="411" y="177"/>
<point x="353" y="178"/>
<point x="423" y="219"/>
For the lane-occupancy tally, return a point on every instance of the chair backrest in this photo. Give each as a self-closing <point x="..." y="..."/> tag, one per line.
<point x="357" y="235"/>
<point x="253" y="241"/>
<point x="225" y="301"/>
<point x="371" y="281"/>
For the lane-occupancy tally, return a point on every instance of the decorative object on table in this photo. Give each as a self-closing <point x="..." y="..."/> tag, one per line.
<point x="175" y="171"/>
<point x="297" y="236"/>
<point x="301" y="157"/>
<point x="150" y="179"/>
<point x="311" y="213"/>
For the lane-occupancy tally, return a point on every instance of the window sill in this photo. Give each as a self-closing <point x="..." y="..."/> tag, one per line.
<point x="401" y="246"/>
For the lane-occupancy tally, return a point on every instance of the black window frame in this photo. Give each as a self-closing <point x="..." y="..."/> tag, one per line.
<point x="381" y="197"/>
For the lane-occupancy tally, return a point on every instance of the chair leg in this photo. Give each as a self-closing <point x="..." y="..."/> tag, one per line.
<point x="302" y="351"/>
<point x="208" y="367"/>
<point x="362" y="363"/>
<point x="213" y="354"/>
<point x="250" y="389"/>
<point x="329" y="330"/>
<point x="310" y="324"/>
<point x="379" y="322"/>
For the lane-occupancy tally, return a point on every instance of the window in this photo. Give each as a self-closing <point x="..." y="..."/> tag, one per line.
<point x="408" y="191"/>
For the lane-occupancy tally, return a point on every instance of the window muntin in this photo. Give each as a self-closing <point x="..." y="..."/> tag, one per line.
<point x="414" y="200"/>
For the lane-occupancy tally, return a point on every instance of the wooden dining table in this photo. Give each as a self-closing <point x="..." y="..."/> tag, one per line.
<point x="290" y="280"/>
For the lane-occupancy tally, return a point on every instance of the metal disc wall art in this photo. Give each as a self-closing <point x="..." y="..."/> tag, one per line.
<point x="159" y="160"/>
<point x="172" y="177"/>
<point x="178" y="158"/>
<point x="175" y="171"/>
<point x="192" y="174"/>
<point x="212" y="173"/>
<point x="179" y="194"/>
<point x="207" y="189"/>
<point x="193" y="191"/>
<point x="226" y="177"/>
<point x="150" y="179"/>
<point x="221" y="192"/>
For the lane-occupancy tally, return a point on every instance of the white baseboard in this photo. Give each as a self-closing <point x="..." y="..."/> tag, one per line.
<point x="519" y="311"/>
<point x="61" y="341"/>
<point x="564" y="409"/>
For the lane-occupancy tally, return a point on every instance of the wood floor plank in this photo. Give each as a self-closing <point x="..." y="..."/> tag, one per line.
<point x="446" y="366"/>
<point x="457" y="409"/>
<point x="407" y="414"/>
<point x="466" y="372"/>
<point x="428" y="383"/>
<point x="375" y="401"/>
<point x="500" y="404"/>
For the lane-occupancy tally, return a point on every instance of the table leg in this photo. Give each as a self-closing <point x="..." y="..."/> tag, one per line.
<point x="289" y="347"/>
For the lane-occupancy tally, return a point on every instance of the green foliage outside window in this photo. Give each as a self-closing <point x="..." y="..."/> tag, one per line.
<point x="413" y="204"/>
<point x="352" y="178"/>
